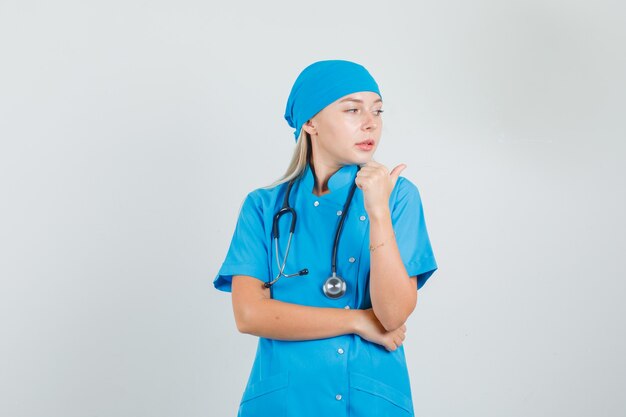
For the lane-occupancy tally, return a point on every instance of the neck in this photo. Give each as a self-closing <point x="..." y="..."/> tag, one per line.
<point x="322" y="173"/>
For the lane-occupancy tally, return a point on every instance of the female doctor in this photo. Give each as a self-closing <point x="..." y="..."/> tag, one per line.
<point x="329" y="301"/>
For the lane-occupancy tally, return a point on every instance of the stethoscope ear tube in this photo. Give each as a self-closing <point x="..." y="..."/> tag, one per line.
<point x="344" y="214"/>
<point x="284" y="210"/>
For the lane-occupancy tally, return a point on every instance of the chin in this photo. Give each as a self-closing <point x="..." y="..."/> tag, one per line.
<point x="358" y="158"/>
<point x="363" y="158"/>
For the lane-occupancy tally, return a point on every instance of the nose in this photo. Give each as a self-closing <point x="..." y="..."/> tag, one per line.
<point x="370" y="121"/>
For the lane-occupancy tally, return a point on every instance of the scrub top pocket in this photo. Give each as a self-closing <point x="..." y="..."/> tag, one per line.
<point x="265" y="397"/>
<point x="370" y="397"/>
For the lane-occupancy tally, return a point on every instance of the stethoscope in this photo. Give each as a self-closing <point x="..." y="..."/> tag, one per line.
<point x="334" y="286"/>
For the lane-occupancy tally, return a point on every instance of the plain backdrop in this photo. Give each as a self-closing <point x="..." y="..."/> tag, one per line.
<point x="131" y="131"/>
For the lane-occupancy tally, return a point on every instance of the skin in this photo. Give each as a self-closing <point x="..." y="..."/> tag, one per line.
<point x="335" y="131"/>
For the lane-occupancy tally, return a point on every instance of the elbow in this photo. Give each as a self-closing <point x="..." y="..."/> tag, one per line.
<point x="390" y="320"/>
<point x="393" y="323"/>
<point x="241" y="325"/>
<point x="393" y="319"/>
<point x="242" y="320"/>
<point x="247" y="302"/>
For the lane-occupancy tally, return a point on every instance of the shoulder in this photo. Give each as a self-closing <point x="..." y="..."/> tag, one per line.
<point x="405" y="203"/>
<point x="405" y="191"/>
<point x="263" y="199"/>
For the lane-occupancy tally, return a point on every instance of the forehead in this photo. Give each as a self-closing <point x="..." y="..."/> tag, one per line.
<point x="367" y="97"/>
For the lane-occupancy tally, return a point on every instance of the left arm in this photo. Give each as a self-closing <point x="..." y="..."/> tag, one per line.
<point x="393" y="293"/>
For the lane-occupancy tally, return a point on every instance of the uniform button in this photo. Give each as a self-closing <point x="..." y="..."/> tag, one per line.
<point x="351" y="260"/>
<point x="347" y="307"/>
<point x="338" y="397"/>
<point x="339" y="213"/>
<point x="362" y="218"/>
<point x="340" y="350"/>
<point x="317" y="203"/>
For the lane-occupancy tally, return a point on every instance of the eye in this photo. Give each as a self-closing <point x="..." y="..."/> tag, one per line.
<point x="378" y="112"/>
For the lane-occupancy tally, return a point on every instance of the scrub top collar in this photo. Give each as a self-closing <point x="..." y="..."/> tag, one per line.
<point x="338" y="184"/>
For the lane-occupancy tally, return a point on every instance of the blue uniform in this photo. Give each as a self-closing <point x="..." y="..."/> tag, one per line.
<point x="337" y="376"/>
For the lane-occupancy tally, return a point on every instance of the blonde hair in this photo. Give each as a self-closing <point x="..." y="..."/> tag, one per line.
<point x="301" y="156"/>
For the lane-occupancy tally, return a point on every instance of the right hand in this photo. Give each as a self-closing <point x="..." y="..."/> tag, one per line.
<point x="369" y="328"/>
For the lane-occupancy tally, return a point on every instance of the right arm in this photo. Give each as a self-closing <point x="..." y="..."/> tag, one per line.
<point x="258" y="314"/>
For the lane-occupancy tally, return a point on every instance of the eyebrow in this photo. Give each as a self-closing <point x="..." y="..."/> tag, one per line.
<point x="359" y="101"/>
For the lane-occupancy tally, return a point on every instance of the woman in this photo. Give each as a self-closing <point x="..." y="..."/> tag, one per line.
<point x="330" y="338"/>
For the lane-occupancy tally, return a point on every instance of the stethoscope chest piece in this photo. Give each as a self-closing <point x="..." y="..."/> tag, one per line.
<point x="334" y="287"/>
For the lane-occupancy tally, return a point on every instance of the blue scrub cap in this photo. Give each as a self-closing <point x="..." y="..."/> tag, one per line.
<point x="322" y="83"/>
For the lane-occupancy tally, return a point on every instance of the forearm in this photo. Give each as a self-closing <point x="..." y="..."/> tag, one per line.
<point x="274" y="319"/>
<point x="393" y="294"/>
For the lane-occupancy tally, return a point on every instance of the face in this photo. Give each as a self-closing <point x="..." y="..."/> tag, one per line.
<point x="348" y="130"/>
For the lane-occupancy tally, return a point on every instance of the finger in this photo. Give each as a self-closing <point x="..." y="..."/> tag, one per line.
<point x="369" y="164"/>
<point x="395" y="173"/>
<point x="368" y="168"/>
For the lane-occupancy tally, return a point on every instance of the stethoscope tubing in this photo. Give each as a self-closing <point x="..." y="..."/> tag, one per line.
<point x="286" y="208"/>
<point x="344" y="214"/>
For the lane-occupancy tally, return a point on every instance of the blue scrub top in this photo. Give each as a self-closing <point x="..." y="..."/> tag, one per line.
<point x="337" y="376"/>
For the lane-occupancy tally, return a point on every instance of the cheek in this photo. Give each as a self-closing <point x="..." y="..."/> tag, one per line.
<point x="341" y="131"/>
<point x="351" y="128"/>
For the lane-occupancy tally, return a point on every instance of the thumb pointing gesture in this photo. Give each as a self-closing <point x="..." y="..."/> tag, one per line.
<point x="395" y="173"/>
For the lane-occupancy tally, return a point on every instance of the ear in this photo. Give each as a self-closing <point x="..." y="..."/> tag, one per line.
<point x="309" y="127"/>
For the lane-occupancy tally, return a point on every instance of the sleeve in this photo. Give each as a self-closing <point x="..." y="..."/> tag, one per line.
<point x="248" y="251"/>
<point x="409" y="225"/>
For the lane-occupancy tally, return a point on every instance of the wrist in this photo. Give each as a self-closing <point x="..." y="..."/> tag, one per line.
<point x="380" y="213"/>
<point x="356" y="320"/>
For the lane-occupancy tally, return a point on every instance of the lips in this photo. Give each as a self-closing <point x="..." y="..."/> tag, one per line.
<point x="366" y="145"/>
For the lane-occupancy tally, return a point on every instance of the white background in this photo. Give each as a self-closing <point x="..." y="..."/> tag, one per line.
<point x="131" y="132"/>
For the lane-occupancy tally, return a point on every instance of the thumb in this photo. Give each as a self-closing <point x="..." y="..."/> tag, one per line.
<point x="395" y="173"/>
